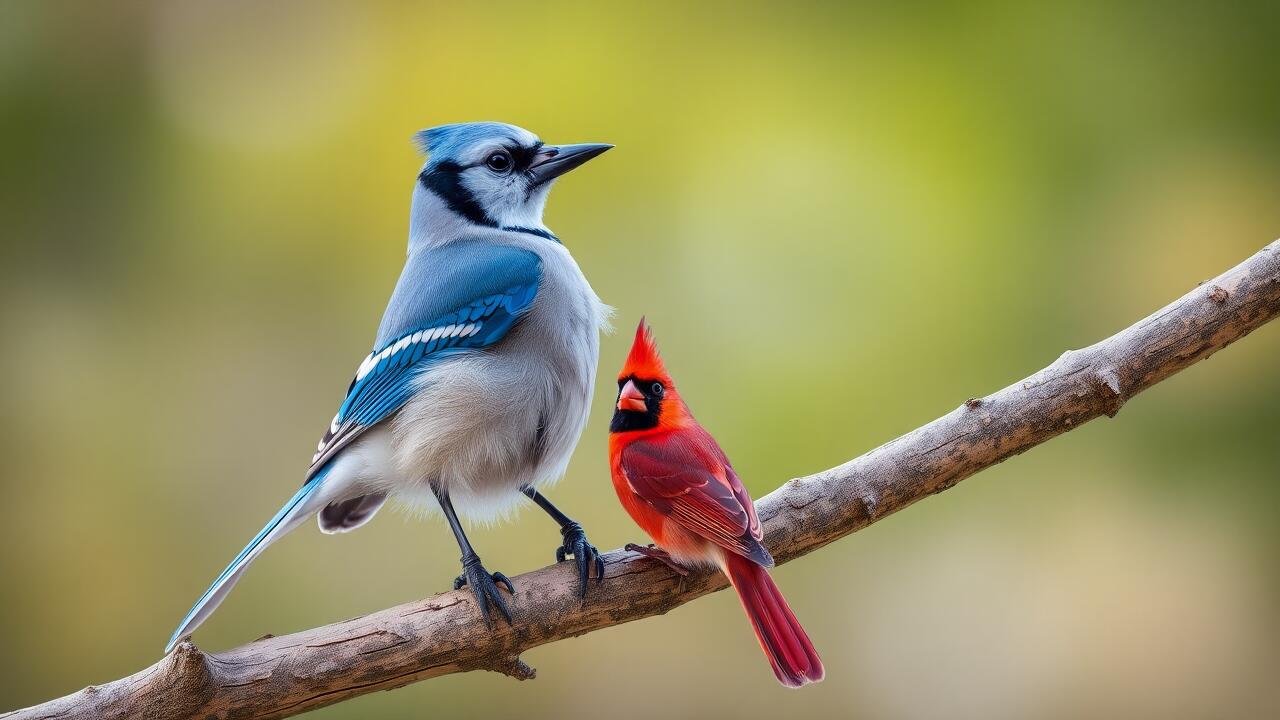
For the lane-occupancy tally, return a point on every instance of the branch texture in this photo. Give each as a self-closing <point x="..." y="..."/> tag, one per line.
<point x="278" y="677"/>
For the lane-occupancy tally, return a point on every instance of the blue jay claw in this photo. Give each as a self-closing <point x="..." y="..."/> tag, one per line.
<point x="485" y="586"/>
<point x="586" y="555"/>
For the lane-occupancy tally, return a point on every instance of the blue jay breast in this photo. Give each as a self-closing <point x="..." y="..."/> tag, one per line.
<point x="482" y="426"/>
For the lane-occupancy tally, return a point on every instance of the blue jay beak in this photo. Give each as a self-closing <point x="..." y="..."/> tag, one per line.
<point x="552" y="161"/>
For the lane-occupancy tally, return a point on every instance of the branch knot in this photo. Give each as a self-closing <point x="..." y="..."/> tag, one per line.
<point x="513" y="666"/>
<point x="1113" y="397"/>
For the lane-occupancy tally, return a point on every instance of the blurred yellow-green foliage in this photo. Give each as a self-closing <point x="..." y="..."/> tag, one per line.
<point x="842" y="221"/>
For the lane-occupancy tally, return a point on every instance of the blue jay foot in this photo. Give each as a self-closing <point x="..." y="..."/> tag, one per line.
<point x="587" y="557"/>
<point x="656" y="553"/>
<point x="485" y="586"/>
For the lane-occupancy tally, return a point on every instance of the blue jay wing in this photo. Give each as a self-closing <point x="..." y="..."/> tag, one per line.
<point x="469" y="304"/>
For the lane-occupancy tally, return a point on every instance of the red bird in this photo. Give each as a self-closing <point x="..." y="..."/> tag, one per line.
<point x="676" y="483"/>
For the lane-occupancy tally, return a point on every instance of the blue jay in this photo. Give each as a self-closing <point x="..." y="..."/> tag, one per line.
<point x="481" y="375"/>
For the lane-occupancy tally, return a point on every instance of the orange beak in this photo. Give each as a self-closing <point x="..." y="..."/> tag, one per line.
<point x="631" y="399"/>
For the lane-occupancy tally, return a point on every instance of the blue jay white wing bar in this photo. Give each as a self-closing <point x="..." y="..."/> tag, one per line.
<point x="278" y="677"/>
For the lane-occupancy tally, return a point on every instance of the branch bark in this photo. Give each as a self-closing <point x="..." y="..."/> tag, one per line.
<point x="278" y="677"/>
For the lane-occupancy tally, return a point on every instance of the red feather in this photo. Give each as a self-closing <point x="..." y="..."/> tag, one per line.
<point x="644" y="360"/>
<point x="685" y="476"/>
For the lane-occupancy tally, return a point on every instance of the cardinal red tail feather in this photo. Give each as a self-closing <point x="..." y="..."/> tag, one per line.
<point x="785" y="643"/>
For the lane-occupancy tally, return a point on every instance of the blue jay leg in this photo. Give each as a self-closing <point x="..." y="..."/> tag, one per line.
<point x="575" y="542"/>
<point x="482" y="583"/>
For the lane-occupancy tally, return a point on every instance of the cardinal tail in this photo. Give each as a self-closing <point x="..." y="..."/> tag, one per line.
<point x="784" y="642"/>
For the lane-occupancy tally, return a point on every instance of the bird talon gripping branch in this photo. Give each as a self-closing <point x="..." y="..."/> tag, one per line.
<point x="485" y="586"/>
<point x="655" y="553"/>
<point x="585" y="555"/>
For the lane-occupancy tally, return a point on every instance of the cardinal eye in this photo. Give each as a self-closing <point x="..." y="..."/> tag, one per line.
<point x="499" y="162"/>
<point x="657" y="389"/>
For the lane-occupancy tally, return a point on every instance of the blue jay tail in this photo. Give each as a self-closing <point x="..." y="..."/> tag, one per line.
<point x="301" y="506"/>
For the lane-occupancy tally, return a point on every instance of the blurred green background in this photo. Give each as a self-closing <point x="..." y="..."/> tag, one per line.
<point x="841" y="222"/>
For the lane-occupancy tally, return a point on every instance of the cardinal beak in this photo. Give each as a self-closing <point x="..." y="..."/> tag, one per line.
<point x="631" y="399"/>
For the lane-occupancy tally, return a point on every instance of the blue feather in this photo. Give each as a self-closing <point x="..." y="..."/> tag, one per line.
<point x="190" y="619"/>
<point x="445" y="142"/>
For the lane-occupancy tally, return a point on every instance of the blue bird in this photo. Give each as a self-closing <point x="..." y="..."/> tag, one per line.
<point x="481" y="374"/>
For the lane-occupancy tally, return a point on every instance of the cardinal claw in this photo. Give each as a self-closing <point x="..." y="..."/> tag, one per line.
<point x="656" y="553"/>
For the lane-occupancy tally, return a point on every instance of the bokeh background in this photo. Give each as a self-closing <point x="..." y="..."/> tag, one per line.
<point x="842" y="223"/>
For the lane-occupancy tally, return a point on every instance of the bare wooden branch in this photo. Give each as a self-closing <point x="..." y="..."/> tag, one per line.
<point x="278" y="677"/>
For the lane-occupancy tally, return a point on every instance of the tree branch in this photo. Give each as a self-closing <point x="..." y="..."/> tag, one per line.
<point x="278" y="677"/>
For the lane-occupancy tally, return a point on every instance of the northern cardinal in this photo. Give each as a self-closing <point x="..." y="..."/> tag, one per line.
<point x="676" y="483"/>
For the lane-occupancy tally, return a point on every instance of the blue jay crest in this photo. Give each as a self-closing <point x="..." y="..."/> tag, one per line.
<point x="445" y="142"/>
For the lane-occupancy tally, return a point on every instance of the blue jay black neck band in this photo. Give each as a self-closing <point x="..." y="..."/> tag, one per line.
<point x="545" y="234"/>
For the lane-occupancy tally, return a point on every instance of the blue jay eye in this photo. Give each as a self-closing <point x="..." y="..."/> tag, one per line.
<point x="657" y="389"/>
<point x="499" y="162"/>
